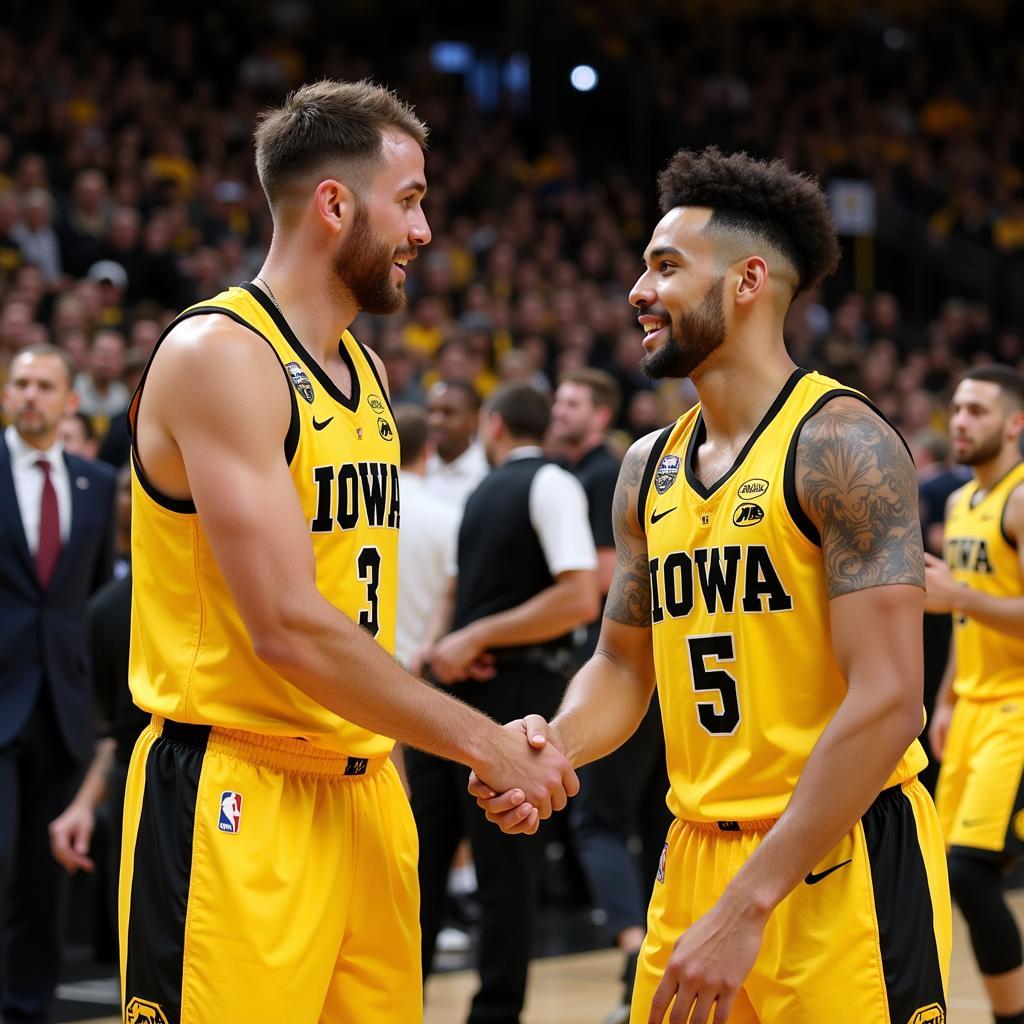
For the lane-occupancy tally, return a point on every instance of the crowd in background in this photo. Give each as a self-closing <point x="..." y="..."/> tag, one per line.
<point x="127" y="191"/>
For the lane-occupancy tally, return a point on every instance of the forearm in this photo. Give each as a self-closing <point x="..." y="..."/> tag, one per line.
<point x="602" y="707"/>
<point x="337" y="664"/>
<point x="846" y="770"/>
<point x="1003" y="614"/>
<point x="94" y="786"/>
<point x="552" y="613"/>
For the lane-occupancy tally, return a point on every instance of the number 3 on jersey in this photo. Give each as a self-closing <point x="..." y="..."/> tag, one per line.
<point x="368" y="572"/>
<point x="719" y="717"/>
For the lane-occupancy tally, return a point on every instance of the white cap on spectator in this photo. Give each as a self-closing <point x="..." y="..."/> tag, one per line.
<point x="109" y="270"/>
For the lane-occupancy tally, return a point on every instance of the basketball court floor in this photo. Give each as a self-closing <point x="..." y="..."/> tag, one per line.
<point x="581" y="988"/>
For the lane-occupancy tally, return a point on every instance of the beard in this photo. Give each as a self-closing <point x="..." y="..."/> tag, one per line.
<point x="984" y="450"/>
<point x="703" y="329"/>
<point x="364" y="265"/>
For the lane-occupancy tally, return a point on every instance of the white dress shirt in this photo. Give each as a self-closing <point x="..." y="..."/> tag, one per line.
<point x="454" y="481"/>
<point x="426" y="554"/>
<point x="28" y="485"/>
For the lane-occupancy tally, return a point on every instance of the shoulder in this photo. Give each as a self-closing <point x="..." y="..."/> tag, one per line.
<point x="551" y="478"/>
<point x="855" y="480"/>
<point x="210" y="365"/>
<point x="1013" y="514"/>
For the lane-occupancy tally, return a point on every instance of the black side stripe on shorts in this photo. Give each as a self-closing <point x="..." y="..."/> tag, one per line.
<point x="161" y="874"/>
<point x="903" y="908"/>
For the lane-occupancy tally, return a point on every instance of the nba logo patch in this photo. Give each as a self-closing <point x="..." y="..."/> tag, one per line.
<point x="230" y="812"/>
<point x="661" y="864"/>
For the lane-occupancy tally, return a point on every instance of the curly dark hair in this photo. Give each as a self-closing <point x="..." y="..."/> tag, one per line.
<point x="788" y="210"/>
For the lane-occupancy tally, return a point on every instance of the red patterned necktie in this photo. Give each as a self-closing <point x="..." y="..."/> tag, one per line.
<point x="49" y="527"/>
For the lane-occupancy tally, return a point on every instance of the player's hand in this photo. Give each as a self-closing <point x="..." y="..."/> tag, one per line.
<point x="940" y="587"/>
<point x="938" y="728"/>
<point x="525" y="761"/>
<point x="453" y="657"/>
<point x="510" y="811"/>
<point x="708" y="966"/>
<point x="70" y="836"/>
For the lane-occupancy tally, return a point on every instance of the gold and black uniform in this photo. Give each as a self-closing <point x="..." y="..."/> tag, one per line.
<point x="980" y="796"/>
<point x="748" y="681"/>
<point x="269" y="863"/>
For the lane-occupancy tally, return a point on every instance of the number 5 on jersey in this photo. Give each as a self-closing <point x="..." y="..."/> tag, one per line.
<point x="719" y="717"/>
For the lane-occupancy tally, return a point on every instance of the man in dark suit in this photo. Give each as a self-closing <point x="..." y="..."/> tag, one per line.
<point x="56" y="548"/>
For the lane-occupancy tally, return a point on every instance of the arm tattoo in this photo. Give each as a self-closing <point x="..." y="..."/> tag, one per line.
<point x="857" y="483"/>
<point x="629" y="597"/>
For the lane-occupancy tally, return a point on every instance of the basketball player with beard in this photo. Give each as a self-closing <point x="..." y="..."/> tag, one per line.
<point x="770" y="583"/>
<point x="269" y="865"/>
<point x="977" y="729"/>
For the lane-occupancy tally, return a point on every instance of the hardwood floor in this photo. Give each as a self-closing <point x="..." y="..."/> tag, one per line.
<point x="582" y="989"/>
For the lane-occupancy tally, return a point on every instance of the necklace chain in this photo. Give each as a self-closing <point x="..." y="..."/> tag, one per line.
<point x="270" y="292"/>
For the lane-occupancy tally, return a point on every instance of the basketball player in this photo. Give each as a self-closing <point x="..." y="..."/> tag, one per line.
<point x="977" y="729"/>
<point x="770" y="579"/>
<point x="270" y="855"/>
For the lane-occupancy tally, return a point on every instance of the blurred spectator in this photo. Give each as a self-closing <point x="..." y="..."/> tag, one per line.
<point x="101" y="392"/>
<point x="458" y="463"/>
<point x="35" y="235"/>
<point x="77" y="435"/>
<point x="56" y="526"/>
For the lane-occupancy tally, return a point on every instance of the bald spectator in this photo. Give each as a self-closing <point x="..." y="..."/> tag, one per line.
<point x="458" y="463"/>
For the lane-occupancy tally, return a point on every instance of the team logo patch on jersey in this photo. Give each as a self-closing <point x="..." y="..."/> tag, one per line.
<point x="385" y="428"/>
<point x="230" y="812"/>
<point x="753" y="488"/>
<point x="142" y="1011"/>
<point x="661" y="864"/>
<point x="931" y="1014"/>
<point x="665" y="476"/>
<point x="301" y="381"/>
<point x="747" y="514"/>
<point x="375" y="403"/>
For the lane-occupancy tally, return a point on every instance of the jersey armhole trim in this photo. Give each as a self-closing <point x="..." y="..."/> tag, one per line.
<point x="186" y="506"/>
<point x="1002" y="518"/>
<point x="645" y="481"/>
<point x="793" y="506"/>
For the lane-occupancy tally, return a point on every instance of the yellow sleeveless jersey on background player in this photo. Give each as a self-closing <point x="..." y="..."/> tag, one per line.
<point x="746" y="674"/>
<point x="979" y="797"/>
<point x="191" y="656"/>
<point x="989" y="664"/>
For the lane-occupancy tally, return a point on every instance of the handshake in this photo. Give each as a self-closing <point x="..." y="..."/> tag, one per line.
<point x="525" y="778"/>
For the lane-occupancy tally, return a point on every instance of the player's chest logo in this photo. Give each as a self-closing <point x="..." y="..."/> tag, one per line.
<point x="300" y="381"/>
<point x="666" y="473"/>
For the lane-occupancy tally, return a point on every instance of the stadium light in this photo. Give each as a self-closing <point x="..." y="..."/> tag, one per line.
<point x="583" y="78"/>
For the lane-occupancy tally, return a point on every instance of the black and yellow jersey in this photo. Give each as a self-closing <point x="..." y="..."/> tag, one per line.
<point x="192" y="659"/>
<point x="989" y="664"/>
<point x="747" y="677"/>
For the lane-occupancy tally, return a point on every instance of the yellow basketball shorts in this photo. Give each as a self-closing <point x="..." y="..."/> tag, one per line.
<point x="263" y="879"/>
<point x="980" y="797"/>
<point x="865" y="937"/>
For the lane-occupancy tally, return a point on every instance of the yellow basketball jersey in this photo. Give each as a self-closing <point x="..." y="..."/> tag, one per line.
<point x="989" y="664"/>
<point x="746" y="673"/>
<point x="191" y="656"/>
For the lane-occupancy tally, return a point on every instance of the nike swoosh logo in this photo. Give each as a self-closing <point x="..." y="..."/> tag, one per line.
<point x="318" y="425"/>
<point x="655" y="516"/>
<point x="813" y="879"/>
